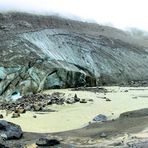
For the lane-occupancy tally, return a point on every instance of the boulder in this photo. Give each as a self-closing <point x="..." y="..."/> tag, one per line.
<point x="103" y="135"/>
<point x="20" y="110"/>
<point x="37" y="107"/>
<point x="47" y="142"/>
<point x="15" y="115"/>
<point x="70" y="101"/>
<point x="3" y="146"/>
<point x="83" y="101"/>
<point x="100" y="118"/>
<point x="76" y="99"/>
<point x="28" y="107"/>
<point x="1" y="116"/>
<point x="34" y="116"/>
<point x="90" y="100"/>
<point x="49" y="102"/>
<point x="107" y="99"/>
<point x="10" y="130"/>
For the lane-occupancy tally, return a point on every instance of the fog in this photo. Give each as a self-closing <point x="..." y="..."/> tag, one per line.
<point x="122" y="14"/>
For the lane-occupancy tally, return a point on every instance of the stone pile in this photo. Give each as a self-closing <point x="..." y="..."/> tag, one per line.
<point x="38" y="102"/>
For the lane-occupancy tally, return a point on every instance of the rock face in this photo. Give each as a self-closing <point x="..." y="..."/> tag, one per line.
<point x="39" y="52"/>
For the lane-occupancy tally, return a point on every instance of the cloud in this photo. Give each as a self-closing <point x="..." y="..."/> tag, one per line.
<point x="120" y="13"/>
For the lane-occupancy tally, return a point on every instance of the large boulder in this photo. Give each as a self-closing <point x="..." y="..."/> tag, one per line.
<point x="10" y="130"/>
<point x="47" y="142"/>
<point x="100" y="118"/>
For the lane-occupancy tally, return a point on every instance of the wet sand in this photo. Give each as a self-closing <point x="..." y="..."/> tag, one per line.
<point x="68" y="117"/>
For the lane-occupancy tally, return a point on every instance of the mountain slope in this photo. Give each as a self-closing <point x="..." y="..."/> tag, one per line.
<point x="40" y="52"/>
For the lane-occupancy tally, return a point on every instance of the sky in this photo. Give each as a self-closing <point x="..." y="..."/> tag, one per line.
<point x="122" y="14"/>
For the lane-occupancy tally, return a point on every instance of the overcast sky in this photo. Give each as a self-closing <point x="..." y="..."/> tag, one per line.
<point x="120" y="13"/>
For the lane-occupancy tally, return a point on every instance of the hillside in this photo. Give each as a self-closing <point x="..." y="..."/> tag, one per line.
<point x="43" y="52"/>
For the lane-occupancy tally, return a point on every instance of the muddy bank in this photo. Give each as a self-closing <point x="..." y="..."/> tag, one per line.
<point x="122" y="132"/>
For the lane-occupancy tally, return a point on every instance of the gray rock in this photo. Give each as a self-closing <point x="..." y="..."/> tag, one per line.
<point x="107" y="99"/>
<point x="76" y="99"/>
<point x="2" y="27"/>
<point x="100" y="118"/>
<point x="15" y="115"/>
<point x="20" y="110"/>
<point x="91" y="100"/>
<point x="34" y="116"/>
<point x="47" y="142"/>
<point x="83" y="101"/>
<point x="70" y="101"/>
<point x="37" y="107"/>
<point x="10" y="130"/>
<point x="3" y="146"/>
<point x="103" y="135"/>
<point x="1" y="116"/>
<point x="143" y="143"/>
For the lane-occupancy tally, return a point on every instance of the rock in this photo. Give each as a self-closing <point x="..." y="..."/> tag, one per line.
<point x="126" y="91"/>
<point x="142" y="143"/>
<point x="2" y="27"/>
<point x="19" y="146"/>
<point x="10" y="130"/>
<point x="60" y="102"/>
<point x="91" y="100"/>
<point x="15" y="115"/>
<point x="135" y="97"/>
<point x="37" y="107"/>
<point x="102" y="90"/>
<point x="20" y="110"/>
<point x="47" y="142"/>
<point x="75" y="96"/>
<point x="28" y="107"/>
<point x="83" y="101"/>
<point x="34" y="116"/>
<point x="1" y="116"/>
<point x="49" y="102"/>
<point x="3" y="146"/>
<point x="70" y="101"/>
<point x="24" y="24"/>
<point x="54" y="101"/>
<point x="104" y="98"/>
<point x="107" y="99"/>
<point x="103" y="135"/>
<point x="76" y="99"/>
<point x="117" y="144"/>
<point x="100" y="118"/>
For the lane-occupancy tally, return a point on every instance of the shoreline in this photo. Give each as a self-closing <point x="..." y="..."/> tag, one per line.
<point x="75" y="116"/>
